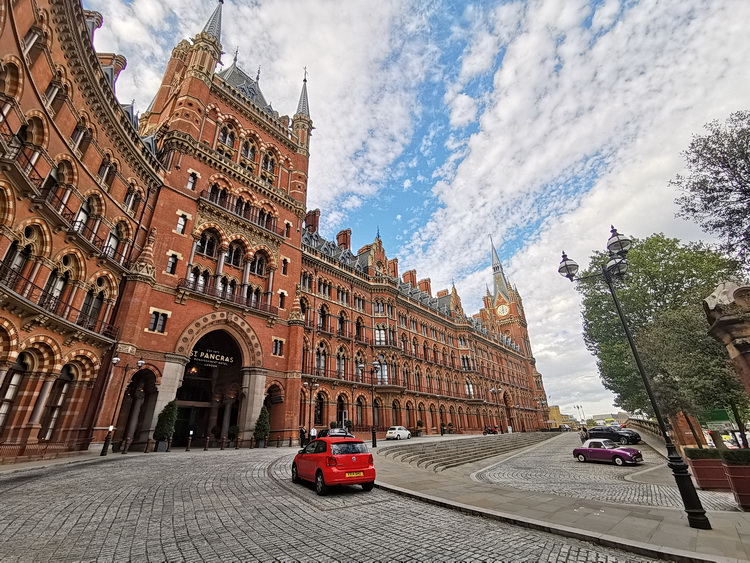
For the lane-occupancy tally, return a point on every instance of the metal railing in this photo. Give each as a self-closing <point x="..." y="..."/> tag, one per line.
<point x="251" y="213"/>
<point x="23" y="287"/>
<point x="224" y="295"/>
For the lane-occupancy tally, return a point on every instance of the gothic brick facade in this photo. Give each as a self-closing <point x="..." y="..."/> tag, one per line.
<point x="171" y="257"/>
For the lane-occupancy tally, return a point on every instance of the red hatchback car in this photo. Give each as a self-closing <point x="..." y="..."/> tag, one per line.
<point x="334" y="460"/>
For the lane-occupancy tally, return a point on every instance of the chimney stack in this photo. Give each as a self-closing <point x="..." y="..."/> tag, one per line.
<point x="311" y="220"/>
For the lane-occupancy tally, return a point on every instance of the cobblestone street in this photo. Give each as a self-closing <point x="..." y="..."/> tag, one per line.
<point x="552" y="468"/>
<point x="241" y="505"/>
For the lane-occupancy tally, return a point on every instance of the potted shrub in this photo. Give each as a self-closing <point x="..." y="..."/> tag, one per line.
<point x="262" y="427"/>
<point x="737" y="468"/>
<point x="233" y="433"/>
<point x="165" y="424"/>
<point x="348" y="425"/>
<point x="333" y="424"/>
<point x="707" y="468"/>
<point x="450" y="428"/>
<point x="420" y="425"/>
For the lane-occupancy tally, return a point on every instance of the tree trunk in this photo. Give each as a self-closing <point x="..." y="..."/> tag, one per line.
<point x="698" y="439"/>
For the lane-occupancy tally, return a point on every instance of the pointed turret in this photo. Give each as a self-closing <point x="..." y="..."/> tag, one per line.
<point x="501" y="284"/>
<point x="303" y="108"/>
<point x="301" y="122"/>
<point x="213" y="25"/>
<point x="205" y="52"/>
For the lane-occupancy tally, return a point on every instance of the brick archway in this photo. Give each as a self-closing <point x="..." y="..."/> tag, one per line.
<point x="236" y="326"/>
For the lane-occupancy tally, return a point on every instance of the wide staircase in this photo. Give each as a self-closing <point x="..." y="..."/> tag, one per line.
<point x="444" y="454"/>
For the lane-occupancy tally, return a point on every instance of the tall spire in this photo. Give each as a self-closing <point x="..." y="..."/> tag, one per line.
<point x="501" y="284"/>
<point x="302" y="107"/>
<point x="213" y="26"/>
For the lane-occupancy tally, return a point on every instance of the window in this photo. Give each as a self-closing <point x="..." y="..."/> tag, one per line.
<point x="192" y="179"/>
<point x="172" y="264"/>
<point x="181" y="224"/>
<point x="282" y="300"/>
<point x="278" y="347"/>
<point x="158" y="322"/>
<point x="284" y="266"/>
<point x="287" y="230"/>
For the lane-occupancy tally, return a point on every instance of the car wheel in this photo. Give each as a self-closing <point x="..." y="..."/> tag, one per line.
<point x="624" y="441"/>
<point x="617" y="460"/>
<point x="581" y="458"/>
<point x="320" y="485"/>
<point x="367" y="487"/>
<point x="398" y="436"/>
<point x="295" y="477"/>
<point x="408" y="436"/>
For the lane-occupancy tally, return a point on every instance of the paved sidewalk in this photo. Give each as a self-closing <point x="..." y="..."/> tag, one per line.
<point x="646" y="530"/>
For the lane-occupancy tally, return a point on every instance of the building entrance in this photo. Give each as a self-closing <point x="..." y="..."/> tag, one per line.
<point x="210" y="397"/>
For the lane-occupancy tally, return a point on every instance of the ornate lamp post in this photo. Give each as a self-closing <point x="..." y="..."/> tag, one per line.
<point x="581" y="414"/>
<point x="618" y="246"/>
<point x="108" y="438"/>
<point x="373" y="373"/>
<point x="312" y="385"/>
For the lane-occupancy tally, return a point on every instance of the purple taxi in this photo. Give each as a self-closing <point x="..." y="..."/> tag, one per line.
<point x="607" y="450"/>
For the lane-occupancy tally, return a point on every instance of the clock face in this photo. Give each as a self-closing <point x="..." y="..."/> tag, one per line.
<point x="502" y="310"/>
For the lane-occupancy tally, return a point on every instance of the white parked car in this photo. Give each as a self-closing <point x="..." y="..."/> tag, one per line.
<point x="397" y="433"/>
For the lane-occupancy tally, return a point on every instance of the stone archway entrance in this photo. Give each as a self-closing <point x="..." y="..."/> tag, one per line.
<point x="210" y="397"/>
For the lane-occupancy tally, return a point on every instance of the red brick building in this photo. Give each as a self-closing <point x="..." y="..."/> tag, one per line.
<point x="172" y="257"/>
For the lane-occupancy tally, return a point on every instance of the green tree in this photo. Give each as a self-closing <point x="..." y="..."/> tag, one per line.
<point x="716" y="189"/>
<point x="166" y="421"/>
<point x="663" y="275"/>
<point x="262" y="425"/>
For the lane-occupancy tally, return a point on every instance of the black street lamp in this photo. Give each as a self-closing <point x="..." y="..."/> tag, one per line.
<point x="618" y="246"/>
<point x="108" y="438"/>
<point x="373" y="373"/>
<point x="312" y="385"/>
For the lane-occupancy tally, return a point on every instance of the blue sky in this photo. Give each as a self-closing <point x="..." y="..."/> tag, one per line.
<point x="442" y="123"/>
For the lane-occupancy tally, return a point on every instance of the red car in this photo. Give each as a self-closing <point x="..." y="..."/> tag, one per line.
<point x="334" y="460"/>
<point x="607" y="450"/>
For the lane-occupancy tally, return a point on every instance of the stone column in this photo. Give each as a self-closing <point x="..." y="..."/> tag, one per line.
<point x="228" y="402"/>
<point x="728" y="313"/>
<point x="135" y="412"/>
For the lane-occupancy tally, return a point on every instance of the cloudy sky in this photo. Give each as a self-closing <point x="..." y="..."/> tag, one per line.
<point x="444" y="122"/>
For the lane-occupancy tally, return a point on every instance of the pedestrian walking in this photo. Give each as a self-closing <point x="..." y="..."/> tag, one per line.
<point x="302" y="436"/>
<point x="584" y="434"/>
<point x="313" y="433"/>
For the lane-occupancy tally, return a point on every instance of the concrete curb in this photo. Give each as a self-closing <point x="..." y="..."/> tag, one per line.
<point x="639" y="548"/>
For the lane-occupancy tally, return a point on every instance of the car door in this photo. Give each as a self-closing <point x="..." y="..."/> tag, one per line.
<point x="306" y="461"/>
<point x="597" y="451"/>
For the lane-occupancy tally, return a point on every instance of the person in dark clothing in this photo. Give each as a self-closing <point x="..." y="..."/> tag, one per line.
<point x="584" y="434"/>
<point x="302" y="436"/>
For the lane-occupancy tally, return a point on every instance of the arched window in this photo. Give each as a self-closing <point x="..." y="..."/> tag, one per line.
<point x="359" y="414"/>
<point x="395" y="414"/>
<point x="9" y="387"/>
<point x="320" y="360"/>
<point x="258" y="265"/>
<point x="234" y="254"/>
<point x="323" y="318"/>
<point x="56" y="403"/>
<point x="54" y="288"/>
<point x="383" y="371"/>
<point x="92" y="305"/>
<point x="113" y="241"/>
<point x="84" y="215"/>
<point x="16" y="257"/>
<point x="319" y="408"/>
<point x="341" y="364"/>
<point x="208" y="244"/>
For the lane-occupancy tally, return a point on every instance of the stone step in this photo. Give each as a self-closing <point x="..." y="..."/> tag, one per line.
<point x="452" y="453"/>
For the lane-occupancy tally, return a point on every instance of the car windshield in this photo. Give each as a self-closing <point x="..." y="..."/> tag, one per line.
<point x="345" y="448"/>
<point x="392" y="428"/>
<point x="609" y="444"/>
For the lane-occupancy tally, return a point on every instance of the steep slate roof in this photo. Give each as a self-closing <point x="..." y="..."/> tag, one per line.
<point x="249" y="87"/>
